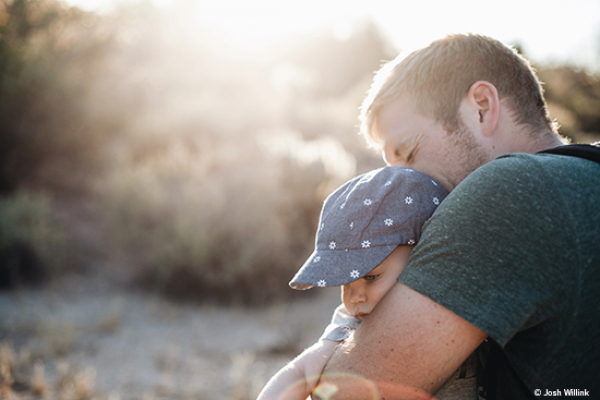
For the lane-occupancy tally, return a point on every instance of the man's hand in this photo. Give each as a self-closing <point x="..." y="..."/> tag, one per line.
<point x="405" y="349"/>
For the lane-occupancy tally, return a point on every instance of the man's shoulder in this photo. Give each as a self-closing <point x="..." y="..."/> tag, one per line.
<point x="521" y="162"/>
<point x="509" y="173"/>
<point x="522" y="184"/>
<point x="516" y="171"/>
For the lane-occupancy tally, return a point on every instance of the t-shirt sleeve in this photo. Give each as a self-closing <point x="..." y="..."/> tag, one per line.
<point x="490" y="252"/>
<point x="342" y="323"/>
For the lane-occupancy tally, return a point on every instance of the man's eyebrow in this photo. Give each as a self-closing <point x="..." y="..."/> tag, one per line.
<point x="401" y="144"/>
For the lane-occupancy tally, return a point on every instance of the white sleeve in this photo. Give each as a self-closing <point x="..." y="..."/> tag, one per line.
<point x="342" y="323"/>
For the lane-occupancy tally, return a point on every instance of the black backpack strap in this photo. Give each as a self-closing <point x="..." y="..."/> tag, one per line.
<point x="496" y="377"/>
<point x="587" y="151"/>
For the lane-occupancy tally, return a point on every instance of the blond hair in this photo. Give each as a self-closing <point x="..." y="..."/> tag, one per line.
<point x="439" y="76"/>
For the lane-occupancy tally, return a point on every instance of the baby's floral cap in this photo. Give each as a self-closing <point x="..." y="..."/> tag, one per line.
<point x="363" y="222"/>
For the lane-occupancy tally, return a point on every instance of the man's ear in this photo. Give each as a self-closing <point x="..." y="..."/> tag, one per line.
<point x="483" y="100"/>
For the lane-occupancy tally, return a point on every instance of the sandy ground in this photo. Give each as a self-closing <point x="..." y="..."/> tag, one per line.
<point x="130" y="345"/>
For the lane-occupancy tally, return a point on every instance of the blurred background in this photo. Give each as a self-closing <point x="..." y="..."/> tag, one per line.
<point x="168" y="160"/>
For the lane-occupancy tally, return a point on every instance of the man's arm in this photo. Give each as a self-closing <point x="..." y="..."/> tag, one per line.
<point x="405" y="349"/>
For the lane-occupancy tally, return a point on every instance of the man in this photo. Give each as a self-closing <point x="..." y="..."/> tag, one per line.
<point x="511" y="256"/>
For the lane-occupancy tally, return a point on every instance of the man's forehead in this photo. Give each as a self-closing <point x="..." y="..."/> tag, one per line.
<point x="390" y="130"/>
<point x="401" y="108"/>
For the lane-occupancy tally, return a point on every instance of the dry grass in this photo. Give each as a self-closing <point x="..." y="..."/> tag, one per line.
<point x="39" y="382"/>
<point x="38" y="370"/>
<point x="7" y="360"/>
<point x="153" y="349"/>
<point x="20" y="380"/>
<point x="241" y="374"/>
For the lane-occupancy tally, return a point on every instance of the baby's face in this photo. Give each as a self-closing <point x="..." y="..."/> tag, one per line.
<point x="361" y="296"/>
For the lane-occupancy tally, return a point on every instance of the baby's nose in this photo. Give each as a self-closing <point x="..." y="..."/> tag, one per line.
<point x="358" y="295"/>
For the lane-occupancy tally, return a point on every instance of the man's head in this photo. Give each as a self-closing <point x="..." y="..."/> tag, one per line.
<point x="438" y="77"/>
<point x="436" y="81"/>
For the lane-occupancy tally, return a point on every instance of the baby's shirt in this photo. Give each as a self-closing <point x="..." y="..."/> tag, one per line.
<point x="341" y="325"/>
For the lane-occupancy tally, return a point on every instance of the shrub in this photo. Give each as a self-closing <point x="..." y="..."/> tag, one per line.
<point x="32" y="247"/>
<point x="205" y="228"/>
<point x="53" y="67"/>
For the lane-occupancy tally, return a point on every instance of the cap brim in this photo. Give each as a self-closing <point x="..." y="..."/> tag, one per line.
<point x="339" y="267"/>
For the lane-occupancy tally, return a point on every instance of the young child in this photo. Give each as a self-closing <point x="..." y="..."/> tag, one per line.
<point x="366" y="232"/>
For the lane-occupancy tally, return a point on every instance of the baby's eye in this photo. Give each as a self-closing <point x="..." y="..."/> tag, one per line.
<point x="370" y="278"/>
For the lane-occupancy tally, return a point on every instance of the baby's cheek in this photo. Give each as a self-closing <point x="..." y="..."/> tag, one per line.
<point x="379" y="292"/>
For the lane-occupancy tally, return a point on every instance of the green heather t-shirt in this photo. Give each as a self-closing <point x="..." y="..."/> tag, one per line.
<point x="515" y="250"/>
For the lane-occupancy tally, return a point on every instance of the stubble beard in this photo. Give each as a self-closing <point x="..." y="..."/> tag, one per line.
<point x="470" y="154"/>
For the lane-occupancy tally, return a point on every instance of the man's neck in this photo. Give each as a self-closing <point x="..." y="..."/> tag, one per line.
<point x="524" y="142"/>
<point x="547" y="141"/>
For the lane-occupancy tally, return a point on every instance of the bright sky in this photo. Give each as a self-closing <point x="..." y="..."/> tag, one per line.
<point x="547" y="29"/>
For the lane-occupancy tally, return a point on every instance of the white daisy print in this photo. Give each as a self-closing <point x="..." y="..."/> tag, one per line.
<point x="317" y="259"/>
<point x="408" y="200"/>
<point x="332" y="245"/>
<point x="354" y="274"/>
<point x="368" y="202"/>
<point x="366" y="244"/>
<point x="388" y="222"/>
<point x="436" y="201"/>
<point x="388" y="183"/>
<point x="343" y="205"/>
<point x="321" y="283"/>
<point x="411" y="241"/>
<point x="351" y="225"/>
